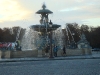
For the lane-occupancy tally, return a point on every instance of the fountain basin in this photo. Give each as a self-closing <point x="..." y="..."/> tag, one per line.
<point x="42" y="28"/>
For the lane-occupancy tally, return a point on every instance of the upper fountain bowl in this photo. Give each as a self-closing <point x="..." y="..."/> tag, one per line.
<point x="44" y="10"/>
<point x="43" y="28"/>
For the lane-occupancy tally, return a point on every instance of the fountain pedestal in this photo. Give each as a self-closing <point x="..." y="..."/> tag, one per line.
<point x="40" y="53"/>
<point x="84" y="45"/>
<point x="5" y="54"/>
<point x="86" y="51"/>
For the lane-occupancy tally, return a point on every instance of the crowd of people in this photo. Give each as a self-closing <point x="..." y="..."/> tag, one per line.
<point x="9" y="46"/>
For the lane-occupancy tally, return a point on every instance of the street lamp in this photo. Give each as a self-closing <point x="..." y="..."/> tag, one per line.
<point x="51" y="54"/>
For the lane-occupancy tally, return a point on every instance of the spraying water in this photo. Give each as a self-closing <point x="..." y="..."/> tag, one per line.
<point x="33" y="40"/>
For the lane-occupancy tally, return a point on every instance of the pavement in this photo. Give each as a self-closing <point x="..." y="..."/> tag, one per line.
<point x="94" y="55"/>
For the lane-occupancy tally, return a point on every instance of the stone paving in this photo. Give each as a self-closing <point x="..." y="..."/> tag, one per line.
<point x="69" y="65"/>
<point x="52" y="67"/>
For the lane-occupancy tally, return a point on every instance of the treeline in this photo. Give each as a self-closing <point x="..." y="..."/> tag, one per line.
<point x="92" y="33"/>
<point x="73" y="29"/>
<point x="10" y="34"/>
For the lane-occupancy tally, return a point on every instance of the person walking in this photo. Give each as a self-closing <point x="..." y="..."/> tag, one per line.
<point x="64" y="50"/>
<point x="55" y="49"/>
<point x="46" y="50"/>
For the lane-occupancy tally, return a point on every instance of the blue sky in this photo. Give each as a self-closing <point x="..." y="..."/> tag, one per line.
<point x="22" y="12"/>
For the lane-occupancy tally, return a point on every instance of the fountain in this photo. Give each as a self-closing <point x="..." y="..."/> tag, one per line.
<point x="38" y="36"/>
<point x="46" y="34"/>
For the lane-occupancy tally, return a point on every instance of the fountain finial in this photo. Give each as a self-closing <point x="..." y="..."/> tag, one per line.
<point x="44" y="10"/>
<point x="83" y="37"/>
<point x="43" y="6"/>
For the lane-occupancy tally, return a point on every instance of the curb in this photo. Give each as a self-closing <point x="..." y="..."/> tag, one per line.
<point x="44" y="59"/>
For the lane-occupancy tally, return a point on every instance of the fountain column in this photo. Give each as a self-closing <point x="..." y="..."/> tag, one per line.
<point x="43" y="28"/>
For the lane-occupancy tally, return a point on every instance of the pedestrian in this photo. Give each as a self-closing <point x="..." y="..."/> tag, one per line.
<point x="64" y="50"/>
<point x="17" y="45"/>
<point x="47" y="50"/>
<point x="13" y="46"/>
<point x="55" y="49"/>
<point x="9" y="46"/>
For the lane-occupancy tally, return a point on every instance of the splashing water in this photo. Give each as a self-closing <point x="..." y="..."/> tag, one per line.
<point x="32" y="40"/>
<point x="27" y="42"/>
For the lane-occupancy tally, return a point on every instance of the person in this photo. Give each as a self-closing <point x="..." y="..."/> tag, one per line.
<point x="47" y="50"/>
<point x="9" y="46"/>
<point x="13" y="46"/>
<point x="64" y="50"/>
<point x="55" y="51"/>
<point x="17" y="45"/>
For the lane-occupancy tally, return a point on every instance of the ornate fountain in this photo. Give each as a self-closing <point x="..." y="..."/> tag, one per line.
<point x="44" y="29"/>
<point x="39" y="36"/>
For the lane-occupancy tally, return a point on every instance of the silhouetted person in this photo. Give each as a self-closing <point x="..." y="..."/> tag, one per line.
<point x="47" y="49"/>
<point x="64" y="50"/>
<point x="55" y="49"/>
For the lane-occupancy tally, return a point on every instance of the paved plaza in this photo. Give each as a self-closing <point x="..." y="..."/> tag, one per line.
<point x="70" y="65"/>
<point x="52" y="67"/>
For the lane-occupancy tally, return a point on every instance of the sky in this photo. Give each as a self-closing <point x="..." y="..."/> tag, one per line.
<point x="23" y="12"/>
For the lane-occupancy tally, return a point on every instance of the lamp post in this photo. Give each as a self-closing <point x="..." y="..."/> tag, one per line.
<point x="51" y="52"/>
